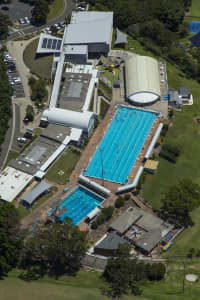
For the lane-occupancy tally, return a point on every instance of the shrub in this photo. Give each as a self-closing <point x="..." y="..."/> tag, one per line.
<point x="100" y="219"/>
<point x="94" y="225"/>
<point x="127" y="197"/>
<point x="172" y="149"/>
<point x="171" y="113"/>
<point x="119" y="202"/>
<point x="108" y="212"/>
<point x="168" y="156"/>
<point x="155" y="271"/>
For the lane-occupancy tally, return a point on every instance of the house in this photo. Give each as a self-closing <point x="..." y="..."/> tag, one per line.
<point x="109" y="245"/>
<point x="185" y="94"/>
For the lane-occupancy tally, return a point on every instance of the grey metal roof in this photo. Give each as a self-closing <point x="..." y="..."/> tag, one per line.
<point x="89" y="27"/>
<point x="149" y="240"/>
<point x="111" y="242"/>
<point x="121" y="38"/>
<point x="123" y="222"/>
<point x="31" y="196"/>
<point x="184" y="91"/>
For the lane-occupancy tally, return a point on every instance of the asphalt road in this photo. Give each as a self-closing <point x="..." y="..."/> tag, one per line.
<point x="70" y="4"/>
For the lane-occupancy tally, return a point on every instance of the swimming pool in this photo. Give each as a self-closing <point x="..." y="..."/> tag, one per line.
<point x="79" y="204"/>
<point x="121" y="144"/>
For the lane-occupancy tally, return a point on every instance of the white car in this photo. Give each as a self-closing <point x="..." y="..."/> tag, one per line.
<point x="21" y="140"/>
<point x="22" y="21"/>
<point x="27" y="20"/>
<point x="16" y="80"/>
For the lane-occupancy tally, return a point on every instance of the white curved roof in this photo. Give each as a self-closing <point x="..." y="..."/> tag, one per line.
<point x="69" y="118"/>
<point x="142" y="79"/>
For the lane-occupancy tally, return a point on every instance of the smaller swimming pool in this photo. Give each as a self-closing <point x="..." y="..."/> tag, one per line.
<point x="79" y="204"/>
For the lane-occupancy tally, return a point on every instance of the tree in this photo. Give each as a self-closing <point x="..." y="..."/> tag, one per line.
<point x="119" y="202"/>
<point x="55" y="249"/>
<point x="155" y="271"/>
<point x="180" y="200"/>
<point x="29" y="113"/>
<point x="4" y="23"/>
<point x="122" y="274"/>
<point x="10" y="238"/>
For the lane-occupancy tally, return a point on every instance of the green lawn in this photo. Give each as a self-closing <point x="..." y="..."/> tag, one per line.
<point x="40" y="65"/>
<point x="55" y="9"/>
<point x="111" y="76"/>
<point x="65" y="165"/>
<point x="86" y="286"/>
<point x="195" y="8"/>
<point x="184" y="132"/>
<point x="11" y="155"/>
<point x="104" y="108"/>
<point x="189" y="238"/>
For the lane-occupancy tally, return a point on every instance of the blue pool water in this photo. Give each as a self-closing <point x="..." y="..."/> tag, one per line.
<point x="121" y="144"/>
<point x="79" y="204"/>
<point x="194" y="27"/>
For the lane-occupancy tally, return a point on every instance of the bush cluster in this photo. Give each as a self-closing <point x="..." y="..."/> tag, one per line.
<point x="170" y="152"/>
<point x="105" y="215"/>
<point x="121" y="200"/>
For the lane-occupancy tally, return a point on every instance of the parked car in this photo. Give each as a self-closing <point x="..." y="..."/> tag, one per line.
<point x="27" y="20"/>
<point x="28" y="135"/>
<point x="16" y="80"/>
<point x="21" y="140"/>
<point x="11" y="71"/>
<point x="22" y="21"/>
<point x="5" y="8"/>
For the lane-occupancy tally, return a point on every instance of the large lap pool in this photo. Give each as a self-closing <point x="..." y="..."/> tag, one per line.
<point x="79" y="204"/>
<point x="121" y="144"/>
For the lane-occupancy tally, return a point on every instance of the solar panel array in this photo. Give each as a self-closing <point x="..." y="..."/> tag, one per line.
<point x="51" y="44"/>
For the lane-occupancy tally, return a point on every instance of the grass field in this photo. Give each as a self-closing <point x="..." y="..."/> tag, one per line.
<point x="40" y="66"/>
<point x="86" y="286"/>
<point x="66" y="163"/>
<point x="184" y="132"/>
<point x="55" y="9"/>
<point x="11" y="155"/>
<point x="195" y="8"/>
<point x="104" y="108"/>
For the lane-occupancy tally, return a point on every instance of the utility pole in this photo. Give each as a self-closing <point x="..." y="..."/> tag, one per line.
<point x="102" y="172"/>
<point x="184" y="278"/>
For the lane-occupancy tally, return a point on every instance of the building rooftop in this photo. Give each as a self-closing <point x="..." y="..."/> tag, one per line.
<point x="143" y="219"/>
<point x="31" y="196"/>
<point x="149" y="240"/>
<point x="74" y="91"/>
<point x="121" y="38"/>
<point x="111" y="242"/>
<point x="12" y="182"/>
<point x="123" y="222"/>
<point x="76" y="49"/>
<point x="184" y="91"/>
<point x="56" y="132"/>
<point x="89" y="27"/>
<point x="35" y="155"/>
<point x="151" y="164"/>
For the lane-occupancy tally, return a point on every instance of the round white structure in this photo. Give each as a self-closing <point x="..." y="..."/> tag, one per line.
<point x="81" y="120"/>
<point x="191" y="277"/>
<point x="142" y="80"/>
